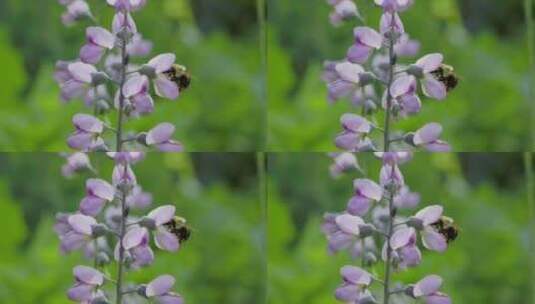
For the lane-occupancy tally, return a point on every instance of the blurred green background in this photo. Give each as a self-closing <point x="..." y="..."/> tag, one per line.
<point x="223" y="262"/>
<point x="217" y="40"/>
<point x="484" y="40"/>
<point x="484" y="193"/>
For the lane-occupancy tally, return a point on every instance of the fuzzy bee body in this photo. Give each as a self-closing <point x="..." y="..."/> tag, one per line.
<point x="447" y="76"/>
<point x="179" y="227"/>
<point x="447" y="228"/>
<point x="179" y="74"/>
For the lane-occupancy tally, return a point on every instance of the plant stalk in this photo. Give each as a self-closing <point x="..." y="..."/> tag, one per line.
<point x="124" y="63"/>
<point x="388" y="266"/>
<point x="392" y="62"/>
<point x="119" y="145"/>
<point x="390" y="228"/>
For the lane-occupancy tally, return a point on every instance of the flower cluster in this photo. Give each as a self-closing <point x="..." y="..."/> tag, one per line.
<point x="374" y="227"/>
<point x="372" y="64"/>
<point x="106" y="228"/>
<point x="106" y="78"/>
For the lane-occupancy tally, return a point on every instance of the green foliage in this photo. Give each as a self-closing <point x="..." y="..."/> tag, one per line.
<point x="486" y="264"/>
<point x="487" y="112"/>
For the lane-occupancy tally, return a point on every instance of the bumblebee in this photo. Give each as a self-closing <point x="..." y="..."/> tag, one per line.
<point x="447" y="228"/>
<point x="179" y="227"/>
<point x="447" y="76"/>
<point x="179" y="74"/>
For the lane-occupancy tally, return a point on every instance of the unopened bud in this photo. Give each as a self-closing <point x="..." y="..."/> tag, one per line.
<point x="366" y="230"/>
<point x="409" y="291"/>
<point x="416" y="223"/>
<point x="368" y="299"/>
<point x="369" y="106"/>
<point x="100" y="300"/>
<point x="148" y="71"/>
<point x="103" y="259"/>
<point x="409" y="139"/>
<point x="148" y="223"/>
<point x="366" y="78"/>
<point x="370" y="258"/>
<point x="102" y="106"/>
<point x="142" y="138"/>
<point x="142" y="291"/>
<point x="415" y="71"/>
<point x="99" y="78"/>
<point x="98" y="230"/>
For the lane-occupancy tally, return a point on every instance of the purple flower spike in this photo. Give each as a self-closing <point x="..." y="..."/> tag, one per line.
<point x="428" y="137"/>
<point x="366" y="39"/>
<point x="431" y="238"/>
<point x="160" y="290"/>
<point x="343" y="10"/>
<point x="88" y="280"/>
<point x="98" y="40"/>
<point x="163" y="238"/>
<point x="160" y="136"/>
<point x="98" y="193"/>
<point x="162" y="85"/>
<point x="428" y="290"/>
<point x="366" y="191"/>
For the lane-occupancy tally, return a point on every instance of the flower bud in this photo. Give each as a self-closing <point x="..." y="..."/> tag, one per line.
<point x="148" y="223"/>
<point x="409" y="139"/>
<point x="370" y="258"/>
<point x="142" y="291"/>
<point x="409" y="291"/>
<point x="415" y="223"/>
<point x="100" y="300"/>
<point x="124" y="35"/>
<point x="415" y="71"/>
<point x="366" y="230"/>
<point x="102" y="106"/>
<point x="99" y="230"/>
<point x="148" y="71"/>
<point x="366" y="78"/>
<point x="103" y="259"/>
<point x="142" y="138"/>
<point x="369" y="106"/>
<point x="99" y="78"/>
<point x="368" y="299"/>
